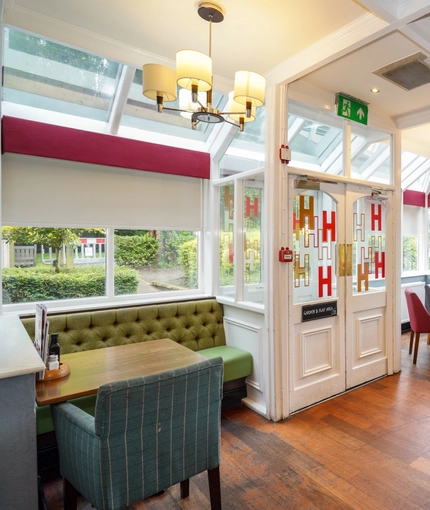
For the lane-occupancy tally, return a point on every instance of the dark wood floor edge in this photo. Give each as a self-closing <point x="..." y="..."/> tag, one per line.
<point x="339" y="394"/>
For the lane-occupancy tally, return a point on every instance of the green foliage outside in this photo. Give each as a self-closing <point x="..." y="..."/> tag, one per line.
<point x="410" y="253"/>
<point x="43" y="48"/>
<point x="135" y="251"/>
<point x="188" y="260"/>
<point x="227" y="269"/>
<point x="54" y="238"/>
<point x="40" y="283"/>
<point x="125" y="233"/>
<point x="171" y="245"/>
<point x="226" y="274"/>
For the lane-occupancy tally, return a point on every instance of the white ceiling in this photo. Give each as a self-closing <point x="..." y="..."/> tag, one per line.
<point x="260" y="36"/>
<point x="255" y="34"/>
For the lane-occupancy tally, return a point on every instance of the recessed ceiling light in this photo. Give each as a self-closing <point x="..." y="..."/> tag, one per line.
<point x="374" y="90"/>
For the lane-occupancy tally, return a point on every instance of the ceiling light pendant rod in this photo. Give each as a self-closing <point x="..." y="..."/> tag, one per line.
<point x="210" y="34"/>
<point x="209" y="92"/>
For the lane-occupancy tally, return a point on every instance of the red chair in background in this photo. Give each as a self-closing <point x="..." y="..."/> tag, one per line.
<point x="419" y="318"/>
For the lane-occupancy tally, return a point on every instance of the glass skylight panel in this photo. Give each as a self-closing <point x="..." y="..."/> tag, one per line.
<point x="140" y="112"/>
<point x="313" y="143"/>
<point x="247" y="149"/>
<point x="253" y="137"/>
<point x="371" y="155"/>
<point x="47" y="75"/>
<point x="315" y="138"/>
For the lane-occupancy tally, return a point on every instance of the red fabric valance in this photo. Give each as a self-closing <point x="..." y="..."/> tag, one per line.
<point x="416" y="198"/>
<point x="22" y="136"/>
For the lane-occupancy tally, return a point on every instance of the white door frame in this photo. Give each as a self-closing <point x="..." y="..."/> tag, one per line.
<point x="296" y="337"/>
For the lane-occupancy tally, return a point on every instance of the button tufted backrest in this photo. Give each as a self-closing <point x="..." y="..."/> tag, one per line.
<point x="194" y="324"/>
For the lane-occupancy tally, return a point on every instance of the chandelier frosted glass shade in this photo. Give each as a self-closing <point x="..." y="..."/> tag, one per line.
<point x="249" y="87"/>
<point x="159" y="82"/>
<point x="187" y="106"/>
<point x="194" y="69"/>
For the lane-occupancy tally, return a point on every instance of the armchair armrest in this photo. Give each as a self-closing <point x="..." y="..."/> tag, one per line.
<point x="66" y="412"/>
<point x="78" y="445"/>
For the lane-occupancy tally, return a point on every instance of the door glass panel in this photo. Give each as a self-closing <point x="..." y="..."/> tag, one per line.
<point x="368" y="250"/>
<point x="315" y="239"/>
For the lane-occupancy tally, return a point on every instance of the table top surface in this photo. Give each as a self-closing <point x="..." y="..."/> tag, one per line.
<point x="90" y="369"/>
<point x="18" y="355"/>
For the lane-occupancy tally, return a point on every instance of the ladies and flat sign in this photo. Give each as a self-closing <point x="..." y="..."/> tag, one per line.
<point x="351" y="109"/>
<point x="319" y="311"/>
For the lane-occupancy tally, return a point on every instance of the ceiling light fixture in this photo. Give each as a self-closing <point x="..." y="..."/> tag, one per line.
<point x="194" y="75"/>
<point x="374" y="90"/>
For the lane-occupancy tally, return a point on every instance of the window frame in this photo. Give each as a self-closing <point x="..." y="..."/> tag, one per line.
<point x="239" y="182"/>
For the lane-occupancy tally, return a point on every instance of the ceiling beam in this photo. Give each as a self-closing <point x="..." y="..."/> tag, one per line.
<point x="386" y="9"/>
<point x="413" y="119"/>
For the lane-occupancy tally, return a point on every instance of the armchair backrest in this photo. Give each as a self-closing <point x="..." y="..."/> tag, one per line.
<point x="419" y="317"/>
<point x="162" y="428"/>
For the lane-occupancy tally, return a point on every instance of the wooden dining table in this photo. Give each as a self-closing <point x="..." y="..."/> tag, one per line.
<point x="90" y="369"/>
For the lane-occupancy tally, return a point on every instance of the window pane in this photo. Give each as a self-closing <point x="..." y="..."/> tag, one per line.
<point x="315" y="139"/>
<point x="48" y="75"/>
<point x="247" y="149"/>
<point x="410" y="253"/>
<point x="368" y="246"/>
<point x="45" y="264"/>
<point x="161" y="260"/>
<point x="315" y="248"/>
<point x="415" y="171"/>
<point x="226" y="270"/>
<point x="371" y="155"/>
<point x="253" y="207"/>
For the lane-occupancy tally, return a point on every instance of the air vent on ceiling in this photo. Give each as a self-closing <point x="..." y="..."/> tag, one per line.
<point x="408" y="73"/>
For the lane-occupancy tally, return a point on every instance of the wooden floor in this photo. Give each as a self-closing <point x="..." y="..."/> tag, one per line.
<point x="366" y="449"/>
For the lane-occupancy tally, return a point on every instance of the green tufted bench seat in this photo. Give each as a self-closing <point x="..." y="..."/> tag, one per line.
<point x="197" y="325"/>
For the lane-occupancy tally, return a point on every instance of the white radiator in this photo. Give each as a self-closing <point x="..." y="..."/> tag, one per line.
<point x="419" y="289"/>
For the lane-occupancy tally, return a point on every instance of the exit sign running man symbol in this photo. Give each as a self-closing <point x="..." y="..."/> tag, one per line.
<point x="351" y="109"/>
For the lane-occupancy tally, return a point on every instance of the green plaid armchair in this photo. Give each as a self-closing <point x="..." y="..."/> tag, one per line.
<point x="148" y="433"/>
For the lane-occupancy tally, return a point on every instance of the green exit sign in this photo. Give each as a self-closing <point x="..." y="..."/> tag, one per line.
<point x="352" y="109"/>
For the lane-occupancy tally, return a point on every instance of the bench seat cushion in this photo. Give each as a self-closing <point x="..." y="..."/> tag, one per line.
<point x="237" y="363"/>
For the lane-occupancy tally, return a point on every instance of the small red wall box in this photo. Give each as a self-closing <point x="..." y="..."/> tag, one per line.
<point x="285" y="255"/>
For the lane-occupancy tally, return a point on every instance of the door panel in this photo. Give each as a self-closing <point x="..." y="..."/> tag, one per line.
<point x="317" y="356"/>
<point x="366" y="295"/>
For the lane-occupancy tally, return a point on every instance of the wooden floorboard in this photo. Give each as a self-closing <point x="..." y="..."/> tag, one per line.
<point x="366" y="449"/>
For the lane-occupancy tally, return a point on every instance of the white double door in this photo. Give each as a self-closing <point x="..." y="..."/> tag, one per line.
<point x="338" y="300"/>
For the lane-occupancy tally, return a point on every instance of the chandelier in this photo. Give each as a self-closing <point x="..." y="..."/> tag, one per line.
<point x="194" y="76"/>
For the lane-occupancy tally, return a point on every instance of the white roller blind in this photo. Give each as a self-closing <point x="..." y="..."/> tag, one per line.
<point x="413" y="221"/>
<point x="49" y="192"/>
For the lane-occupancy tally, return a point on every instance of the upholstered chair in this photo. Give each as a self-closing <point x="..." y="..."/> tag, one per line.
<point x="419" y="319"/>
<point x="148" y="433"/>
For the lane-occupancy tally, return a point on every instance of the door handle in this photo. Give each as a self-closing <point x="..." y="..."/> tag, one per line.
<point x="345" y="259"/>
<point x="342" y="260"/>
<point x="349" y="260"/>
